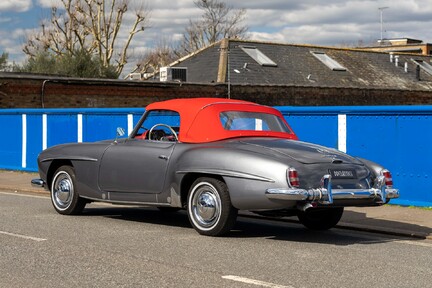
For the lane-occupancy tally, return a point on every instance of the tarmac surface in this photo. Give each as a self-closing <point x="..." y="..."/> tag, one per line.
<point x="387" y="219"/>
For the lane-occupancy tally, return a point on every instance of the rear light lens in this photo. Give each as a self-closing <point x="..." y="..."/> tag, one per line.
<point x="293" y="179"/>
<point x="387" y="177"/>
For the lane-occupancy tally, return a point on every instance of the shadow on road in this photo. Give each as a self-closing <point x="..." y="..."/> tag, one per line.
<point x="403" y="226"/>
<point x="281" y="230"/>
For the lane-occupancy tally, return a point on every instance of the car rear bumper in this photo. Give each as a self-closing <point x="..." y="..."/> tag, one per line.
<point x="326" y="195"/>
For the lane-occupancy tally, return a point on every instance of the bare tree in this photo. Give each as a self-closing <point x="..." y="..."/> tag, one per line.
<point x="218" y="21"/>
<point x="162" y="55"/>
<point x="89" y="25"/>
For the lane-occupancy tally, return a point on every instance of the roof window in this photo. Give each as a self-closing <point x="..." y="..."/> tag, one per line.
<point x="258" y="56"/>
<point x="328" y="61"/>
<point x="424" y="65"/>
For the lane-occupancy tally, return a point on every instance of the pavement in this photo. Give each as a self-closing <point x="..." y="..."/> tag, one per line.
<point x="388" y="219"/>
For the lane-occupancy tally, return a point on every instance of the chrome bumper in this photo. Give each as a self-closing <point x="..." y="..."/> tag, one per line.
<point x="325" y="195"/>
<point x="38" y="183"/>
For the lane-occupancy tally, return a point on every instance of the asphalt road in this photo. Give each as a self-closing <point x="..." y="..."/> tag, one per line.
<point x="116" y="246"/>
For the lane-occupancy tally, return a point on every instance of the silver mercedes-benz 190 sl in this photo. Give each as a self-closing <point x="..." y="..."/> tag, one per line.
<point x="214" y="157"/>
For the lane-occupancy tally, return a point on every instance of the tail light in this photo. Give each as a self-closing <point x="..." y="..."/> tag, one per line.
<point x="388" y="180"/>
<point x="293" y="179"/>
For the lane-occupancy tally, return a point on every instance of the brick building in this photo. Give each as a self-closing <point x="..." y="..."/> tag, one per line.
<point x="397" y="45"/>
<point x="267" y="73"/>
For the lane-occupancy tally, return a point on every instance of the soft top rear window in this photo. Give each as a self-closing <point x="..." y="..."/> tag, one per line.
<point x="252" y="121"/>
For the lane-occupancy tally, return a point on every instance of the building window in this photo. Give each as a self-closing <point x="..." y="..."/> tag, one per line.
<point x="328" y="61"/>
<point x="258" y="56"/>
<point x="424" y="65"/>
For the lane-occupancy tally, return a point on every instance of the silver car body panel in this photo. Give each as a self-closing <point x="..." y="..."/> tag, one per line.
<point x="142" y="171"/>
<point x="254" y="164"/>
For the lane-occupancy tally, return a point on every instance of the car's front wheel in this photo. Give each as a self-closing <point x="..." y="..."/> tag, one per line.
<point x="209" y="207"/>
<point x="321" y="218"/>
<point x="64" y="196"/>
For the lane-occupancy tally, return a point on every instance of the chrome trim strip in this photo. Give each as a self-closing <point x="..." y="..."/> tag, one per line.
<point x="153" y="204"/>
<point x="70" y="158"/>
<point x="227" y="173"/>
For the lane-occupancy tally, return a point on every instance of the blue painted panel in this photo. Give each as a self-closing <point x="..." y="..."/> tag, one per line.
<point x="401" y="144"/>
<point x="413" y="137"/>
<point x="396" y="136"/>
<point x="34" y="140"/>
<point x="62" y="128"/>
<point x="136" y="118"/>
<point x="98" y="127"/>
<point x="11" y="142"/>
<point x="319" y="129"/>
<point x="371" y="136"/>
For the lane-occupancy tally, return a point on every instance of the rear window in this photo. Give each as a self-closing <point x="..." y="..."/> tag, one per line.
<point x="252" y="121"/>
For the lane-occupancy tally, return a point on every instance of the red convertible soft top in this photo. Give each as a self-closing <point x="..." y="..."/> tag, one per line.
<point x="200" y="118"/>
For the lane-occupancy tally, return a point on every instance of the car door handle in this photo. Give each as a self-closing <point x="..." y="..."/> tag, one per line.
<point x="164" y="157"/>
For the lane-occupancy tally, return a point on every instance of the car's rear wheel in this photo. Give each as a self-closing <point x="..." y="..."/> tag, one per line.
<point x="321" y="218"/>
<point x="209" y="207"/>
<point x="64" y="196"/>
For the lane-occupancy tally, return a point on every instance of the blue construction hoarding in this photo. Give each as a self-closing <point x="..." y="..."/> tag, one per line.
<point x="398" y="137"/>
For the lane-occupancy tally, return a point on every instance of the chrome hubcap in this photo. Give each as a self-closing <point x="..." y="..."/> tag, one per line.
<point x="205" y="205"/>
<point x="62" y="190"/>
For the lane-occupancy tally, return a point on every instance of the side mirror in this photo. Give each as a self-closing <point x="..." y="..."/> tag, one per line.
<point x="120" y="132"/>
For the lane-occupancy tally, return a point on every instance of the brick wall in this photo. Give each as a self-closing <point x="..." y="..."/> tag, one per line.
<point x="38" y="92"/>
<point x="325" y="96"/>
<point x="18" y="91"/>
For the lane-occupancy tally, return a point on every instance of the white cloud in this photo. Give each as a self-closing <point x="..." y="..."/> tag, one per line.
<point x="15" y="5"/>
<point x="330" y="22"/>
<point x="48" y="3"/>
<point x="334" y="22"/>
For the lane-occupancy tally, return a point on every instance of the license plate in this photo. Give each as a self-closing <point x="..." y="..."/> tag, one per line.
<point x="343" y="173"/>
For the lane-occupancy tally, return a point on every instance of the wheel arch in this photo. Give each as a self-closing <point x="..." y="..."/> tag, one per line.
<point x="189" y="179"/>
<point x="57" y="163"/>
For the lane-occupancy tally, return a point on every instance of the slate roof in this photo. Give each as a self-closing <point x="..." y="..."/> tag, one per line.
<point x="296" y="65"/>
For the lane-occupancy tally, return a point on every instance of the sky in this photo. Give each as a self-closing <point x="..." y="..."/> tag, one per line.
<point x="324" y="22"/>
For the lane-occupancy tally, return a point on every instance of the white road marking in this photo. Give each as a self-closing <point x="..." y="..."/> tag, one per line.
<point x="23" y="236"/>
<point x="415" y="243"/>
<point x="24" y="195"/>
<point x="254" y="282"/>
<point x="47" y="196"/>
<point x="229" y="277"/>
